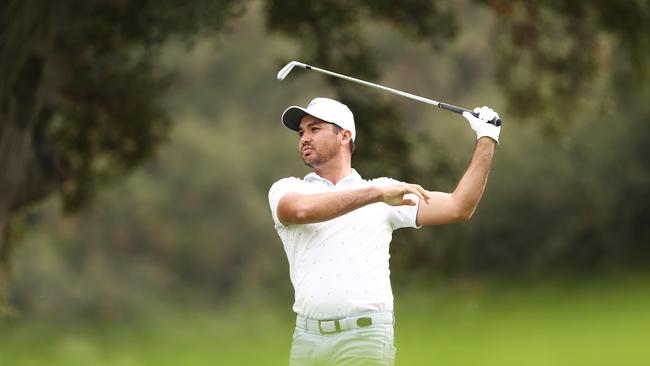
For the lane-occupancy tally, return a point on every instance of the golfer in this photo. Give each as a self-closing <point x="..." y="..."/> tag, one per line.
<point x="336" y="229"/>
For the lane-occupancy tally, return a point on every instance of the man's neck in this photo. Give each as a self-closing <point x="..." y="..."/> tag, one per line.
<point x="333" y="173"/>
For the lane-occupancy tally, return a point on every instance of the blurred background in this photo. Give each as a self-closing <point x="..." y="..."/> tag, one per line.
<point x="138" y="141"/>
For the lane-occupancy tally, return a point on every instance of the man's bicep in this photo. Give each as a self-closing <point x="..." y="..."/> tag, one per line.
<point x="278" y="190"/>
<point x="441" y="209"/>
<point x="285" y="208"/>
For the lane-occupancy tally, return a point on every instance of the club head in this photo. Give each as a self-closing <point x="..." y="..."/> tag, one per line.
<point x="287" y="69"/>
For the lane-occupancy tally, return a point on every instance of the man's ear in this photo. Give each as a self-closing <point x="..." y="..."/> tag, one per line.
<point x="346" y="137"/>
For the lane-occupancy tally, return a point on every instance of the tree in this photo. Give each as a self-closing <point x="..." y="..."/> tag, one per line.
<point x="81" y="101"/>
<point x="555" y="57"/>
<point x="330" y="36"/>
<point x="80" y="93"/>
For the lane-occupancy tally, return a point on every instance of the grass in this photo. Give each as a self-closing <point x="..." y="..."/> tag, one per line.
<point x="595" y="322"/>
<point x="592" y="323"/>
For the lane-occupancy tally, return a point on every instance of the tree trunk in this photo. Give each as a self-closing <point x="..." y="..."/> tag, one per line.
<point x="4" y="268"/>
<point x="24" y="46"/>
<point x="23" y="179"/>
<point x="14" y="147"/>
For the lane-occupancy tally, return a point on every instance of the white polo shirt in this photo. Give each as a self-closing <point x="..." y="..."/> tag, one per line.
<point x="340" y="267"/>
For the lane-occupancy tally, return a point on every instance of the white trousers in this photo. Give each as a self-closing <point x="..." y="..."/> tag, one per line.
<point x="370" y="345"/>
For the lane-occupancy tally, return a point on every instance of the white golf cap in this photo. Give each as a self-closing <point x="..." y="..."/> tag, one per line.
<point x="329" y="110"/>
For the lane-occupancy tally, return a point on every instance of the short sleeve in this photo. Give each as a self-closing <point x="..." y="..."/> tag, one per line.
<point x="277" y="191"/>
<point x="400" y="216"/>
<point x="405" y="216"/>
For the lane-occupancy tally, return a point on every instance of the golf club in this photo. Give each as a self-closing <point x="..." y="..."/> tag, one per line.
<point x="287" y="69"/>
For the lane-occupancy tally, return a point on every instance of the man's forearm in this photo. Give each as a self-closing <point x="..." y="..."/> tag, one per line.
<point x="470" y="189"/>
<point x="297" y="208"/>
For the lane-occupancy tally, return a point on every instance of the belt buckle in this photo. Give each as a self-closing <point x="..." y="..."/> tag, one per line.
<point x="364" y="321"/>
<point x="337" y="326"/>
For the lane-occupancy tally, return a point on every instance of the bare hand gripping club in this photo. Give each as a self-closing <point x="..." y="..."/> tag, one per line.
<point x="287" y="69"/>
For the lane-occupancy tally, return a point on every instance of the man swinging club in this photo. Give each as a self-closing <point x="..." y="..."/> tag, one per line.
<point x="336" y="229"/>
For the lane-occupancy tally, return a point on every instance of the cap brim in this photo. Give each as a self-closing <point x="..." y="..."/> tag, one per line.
<point x="292" y="116"/>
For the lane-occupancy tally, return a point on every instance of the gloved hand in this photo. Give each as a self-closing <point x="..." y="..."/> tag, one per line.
<point x="480" y="124"/>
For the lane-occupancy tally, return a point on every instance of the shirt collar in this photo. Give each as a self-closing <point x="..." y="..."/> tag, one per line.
<point x="352" y="177"/>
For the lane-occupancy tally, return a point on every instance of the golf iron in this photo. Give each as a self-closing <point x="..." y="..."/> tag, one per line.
<point x="287" y="69"/>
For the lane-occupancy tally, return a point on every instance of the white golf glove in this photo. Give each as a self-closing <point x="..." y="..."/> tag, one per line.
<point x="480" y="124"/>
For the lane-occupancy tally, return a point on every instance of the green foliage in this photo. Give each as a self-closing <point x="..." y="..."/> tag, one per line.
<point x="575" y="206"/>
<point x="81" y="97"/>
<point x="97" y="99"/>
<point x="553" y="55"/>
<point x="107" y="114"/>
<point x="331" y="37"/>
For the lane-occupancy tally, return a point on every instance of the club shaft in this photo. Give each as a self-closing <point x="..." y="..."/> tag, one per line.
<point x="367" y="83"/>
<point x="445" y="106"/>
